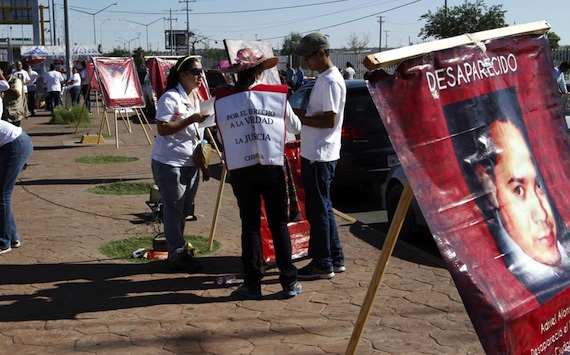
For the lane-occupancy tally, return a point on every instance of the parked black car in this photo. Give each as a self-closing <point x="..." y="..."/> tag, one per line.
<point x="366" y="155"/>
<point x="391" y="191"/>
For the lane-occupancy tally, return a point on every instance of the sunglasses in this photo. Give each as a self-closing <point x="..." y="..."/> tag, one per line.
<point x="195" y="71"/>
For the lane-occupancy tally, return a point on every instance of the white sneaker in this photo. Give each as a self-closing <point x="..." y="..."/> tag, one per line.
<point x="7" y="250"/>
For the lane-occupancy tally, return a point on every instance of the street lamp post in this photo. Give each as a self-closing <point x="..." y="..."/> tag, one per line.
<point x="93" y="14"/>
<point x="101" y="30"/>
<point x="146" y="25"/>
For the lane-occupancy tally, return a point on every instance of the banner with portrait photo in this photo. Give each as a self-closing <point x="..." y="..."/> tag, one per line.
<point x="119" y="82"/>
<point x="480" y="132"/>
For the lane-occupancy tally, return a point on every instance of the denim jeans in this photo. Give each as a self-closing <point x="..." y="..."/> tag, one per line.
<point x="324" y="244"/>
<point x="85" y="91"/>
<point x="75" y="93"/>
<point x="250" y="185"/>
<point x="54" y="98"/>
<point x="178" y="187"/>
<point x="13" y="156"/>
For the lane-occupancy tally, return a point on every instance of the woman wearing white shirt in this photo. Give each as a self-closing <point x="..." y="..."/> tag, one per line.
<point x="178" y="115"/>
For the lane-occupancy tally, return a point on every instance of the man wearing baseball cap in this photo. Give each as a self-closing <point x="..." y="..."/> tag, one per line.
<point x="320" y="151"/>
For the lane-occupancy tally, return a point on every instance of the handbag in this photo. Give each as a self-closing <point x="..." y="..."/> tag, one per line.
<point x="202" y="156"/>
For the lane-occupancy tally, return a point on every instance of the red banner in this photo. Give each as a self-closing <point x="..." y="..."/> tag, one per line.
<point x="481" y="135"/>
<point x="158" y="70"/>
<point x="119" y="82"/>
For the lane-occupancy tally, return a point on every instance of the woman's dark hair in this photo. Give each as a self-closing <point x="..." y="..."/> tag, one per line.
<point x="246" y="78"/>
<point x="183" y="64"/>
<point x="349" y="65"/>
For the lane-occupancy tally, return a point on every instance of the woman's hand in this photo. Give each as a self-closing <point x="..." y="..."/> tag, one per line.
<point x="197" y="117"/>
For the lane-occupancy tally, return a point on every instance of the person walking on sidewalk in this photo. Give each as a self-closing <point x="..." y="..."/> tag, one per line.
<point x="15" y="149"/>
<point x="252" y="119"/>
<point x="178" y="121"/>
<point x="320" y="151"/>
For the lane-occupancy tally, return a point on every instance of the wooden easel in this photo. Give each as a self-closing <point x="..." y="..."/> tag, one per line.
<point x="125" y="118"/>
<point x="386" y="59"/>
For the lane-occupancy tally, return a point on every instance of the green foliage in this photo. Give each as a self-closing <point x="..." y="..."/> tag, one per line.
<point x="138" y="55"/>
<point x="290" y="43"/>
<point x="124" y="248"/>
<point x="105" y="159"/>
<point x="118" y="52"/>
<point x="216" y="54"/>
<point x="121" y="188"/>
<point x="553" y="38"/>
<point x="468" y="17"/>
<point x="61" y="115"/>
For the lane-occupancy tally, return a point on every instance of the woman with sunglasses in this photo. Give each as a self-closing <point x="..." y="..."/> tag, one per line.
<point x="178" y="119"/>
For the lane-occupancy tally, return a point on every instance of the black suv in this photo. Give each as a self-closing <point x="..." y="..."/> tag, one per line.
<point x="366" y="155"/>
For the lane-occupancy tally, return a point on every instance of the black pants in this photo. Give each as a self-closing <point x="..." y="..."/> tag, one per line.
<point x="250" y="185"/>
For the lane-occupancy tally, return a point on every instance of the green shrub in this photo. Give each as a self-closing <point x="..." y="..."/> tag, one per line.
<point x="62" y="115"/>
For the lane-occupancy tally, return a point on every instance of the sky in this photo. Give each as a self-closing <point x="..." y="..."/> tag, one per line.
<point x="126" y="24"/>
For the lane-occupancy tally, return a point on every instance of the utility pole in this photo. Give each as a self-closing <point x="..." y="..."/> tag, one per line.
<point x="386" y="45"/>
<point x="187" y="23"/>
<point x="170" y="19"/>
<point x="380" y="37"/>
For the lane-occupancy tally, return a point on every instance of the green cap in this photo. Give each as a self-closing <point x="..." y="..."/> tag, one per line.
<point x="312" y="43"/>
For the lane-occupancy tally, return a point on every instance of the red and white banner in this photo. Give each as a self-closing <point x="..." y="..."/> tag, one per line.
<point x="119" y="82"/>
<point x="481" y="135"/>
<point x="158" y="70"/>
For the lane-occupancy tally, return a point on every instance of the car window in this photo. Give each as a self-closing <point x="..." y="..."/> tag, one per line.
<point x="300" y="98"/>
<point x="215" y="79"/>
<point x="359" y="106"/>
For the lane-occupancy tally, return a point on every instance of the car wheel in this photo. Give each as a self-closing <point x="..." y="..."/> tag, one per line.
<point x="392" y="200"/>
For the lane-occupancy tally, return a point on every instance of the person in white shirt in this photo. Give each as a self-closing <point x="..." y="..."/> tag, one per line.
<point x="320" y="151"/>
<point x="74" y="86"/>
<point x="31" y="88"/>
<point x="25" y="78"/>
<point x="559" y="72"/>
<point x="53" y="80"/>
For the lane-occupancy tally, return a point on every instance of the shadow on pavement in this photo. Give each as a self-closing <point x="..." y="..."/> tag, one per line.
<point x="62" y="291"/>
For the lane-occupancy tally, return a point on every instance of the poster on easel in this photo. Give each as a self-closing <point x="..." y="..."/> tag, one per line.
<point x="481" y="135"/>
<point x="270" y="76"/>
<point x="119" y="83"/>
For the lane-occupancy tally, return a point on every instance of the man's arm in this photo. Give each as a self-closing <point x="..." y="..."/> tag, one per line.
<point x="318" y="120"/>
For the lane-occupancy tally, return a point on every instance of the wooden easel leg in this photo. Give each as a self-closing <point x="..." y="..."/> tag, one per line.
<point x="142" y="125"/>
<point x="381" y="265"/>
<point x="116" y="128"/>
<point x="145" y="119"/>
<point x="217" y="209"/>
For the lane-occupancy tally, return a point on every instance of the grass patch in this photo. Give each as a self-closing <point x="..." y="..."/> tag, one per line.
<point x="61" y="115"/>
<point x="124" y="248"/>
<point x="105" y="159"/>
<point x="122" y="188"/>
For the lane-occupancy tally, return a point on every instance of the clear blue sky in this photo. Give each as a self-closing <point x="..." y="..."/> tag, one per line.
<point x="215" y="20"/>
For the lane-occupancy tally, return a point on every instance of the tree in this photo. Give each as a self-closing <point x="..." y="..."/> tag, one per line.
<point x="458" y="20"/>
<point x="356" y="44"/>
<point x="118" y="52"/>
<point x="138" y="54"/>
<point x="553" y="38"/>
<point x="290" y="43"/>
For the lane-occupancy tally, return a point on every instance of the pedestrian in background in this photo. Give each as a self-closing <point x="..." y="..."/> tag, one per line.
<point x="74" y="86"/>
<point x="254" y="149"/>
<point x="320" y="151"/>
<point x="53" y="80"/>
<point x="23" y="75"/>
<point x="178" y="119"/>
<point x="13" y="100"/>
<point x="31" y="87"/>
<point x="299" y="76"/>
<point x="86" y="85"/>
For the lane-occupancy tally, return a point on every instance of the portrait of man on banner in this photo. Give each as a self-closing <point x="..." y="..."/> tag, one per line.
<point x="119" y="82"/>
<point x="497" y="162"/>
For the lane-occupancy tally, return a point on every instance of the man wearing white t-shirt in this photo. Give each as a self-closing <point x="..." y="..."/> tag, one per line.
<point x="53" y="80"/>
<point x="320" y="151"/>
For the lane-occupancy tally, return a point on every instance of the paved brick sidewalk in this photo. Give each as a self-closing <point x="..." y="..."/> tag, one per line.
<point x="60" y="295"/>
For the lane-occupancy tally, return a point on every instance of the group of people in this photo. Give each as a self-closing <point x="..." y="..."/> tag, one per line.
<point x="253" y="121"/>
